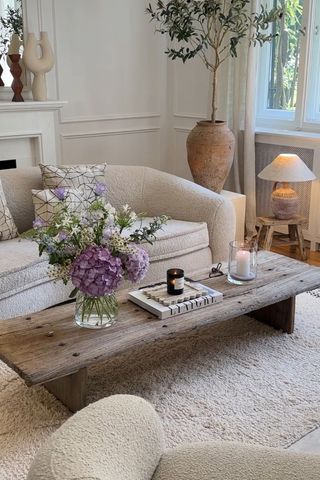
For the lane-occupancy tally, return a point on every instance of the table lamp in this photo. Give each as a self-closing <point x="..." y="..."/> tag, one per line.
<point x="284" y="169"/>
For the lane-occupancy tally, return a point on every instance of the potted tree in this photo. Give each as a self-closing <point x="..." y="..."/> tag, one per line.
<point x="212" y="30"/>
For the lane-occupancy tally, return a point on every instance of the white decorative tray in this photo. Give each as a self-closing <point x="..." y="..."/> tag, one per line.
<point x="156" y="300"/>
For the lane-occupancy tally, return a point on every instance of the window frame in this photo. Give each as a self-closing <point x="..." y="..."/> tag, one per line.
<point x="298" y="119"/>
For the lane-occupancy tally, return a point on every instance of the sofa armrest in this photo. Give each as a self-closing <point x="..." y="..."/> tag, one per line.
<point x="230" y="461"/>
<point x="117" y="437"/>
<point x="181" y="199"/>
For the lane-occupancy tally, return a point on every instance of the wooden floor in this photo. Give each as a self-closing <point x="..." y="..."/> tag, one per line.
<point x="293" y="252"/>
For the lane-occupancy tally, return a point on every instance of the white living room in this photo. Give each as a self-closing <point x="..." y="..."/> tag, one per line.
<point x="159" y="240"/>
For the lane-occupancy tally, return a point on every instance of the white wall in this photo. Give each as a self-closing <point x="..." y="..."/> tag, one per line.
<point x="111" y="69"/>
<point x="191" y="97"/>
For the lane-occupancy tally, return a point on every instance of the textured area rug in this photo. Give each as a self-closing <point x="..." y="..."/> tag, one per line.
<point x="239" y="380"/>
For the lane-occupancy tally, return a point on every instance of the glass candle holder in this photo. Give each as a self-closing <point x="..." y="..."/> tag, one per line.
<point x="175" y="281"/>
<point x="242" y="262"/>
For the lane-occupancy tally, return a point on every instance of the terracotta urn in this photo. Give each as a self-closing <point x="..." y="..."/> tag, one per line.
<point x="210" y="149"/>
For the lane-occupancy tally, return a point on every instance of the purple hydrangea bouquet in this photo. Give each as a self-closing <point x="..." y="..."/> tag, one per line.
<point x="95" y="249"/>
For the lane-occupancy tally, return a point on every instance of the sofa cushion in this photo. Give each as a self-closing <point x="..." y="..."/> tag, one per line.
<point x="176" y="238"/>
<point x="8" y="228"/>
<point x="47" y="204"/>
<point x="22" y="268"/>
<point x="74" y="176"/>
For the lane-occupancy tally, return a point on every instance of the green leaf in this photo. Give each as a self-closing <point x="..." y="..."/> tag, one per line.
<point x="74" y="292"/>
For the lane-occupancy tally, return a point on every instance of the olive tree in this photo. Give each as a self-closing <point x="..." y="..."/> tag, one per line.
<point x="212" y="30"/>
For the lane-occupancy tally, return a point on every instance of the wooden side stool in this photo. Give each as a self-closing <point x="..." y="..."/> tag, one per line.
<point x="267" y="225"/>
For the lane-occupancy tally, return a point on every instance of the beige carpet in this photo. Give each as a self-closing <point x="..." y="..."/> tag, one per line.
<point x="240" y="381"/>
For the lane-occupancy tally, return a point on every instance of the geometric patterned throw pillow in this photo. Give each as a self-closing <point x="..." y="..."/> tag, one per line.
<point x="47" y="203"/>
<point x="8" y="229"/>
<point x="73" y="176"/>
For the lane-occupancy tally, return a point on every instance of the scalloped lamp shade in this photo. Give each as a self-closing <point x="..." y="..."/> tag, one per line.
<point x="286" y="168"/>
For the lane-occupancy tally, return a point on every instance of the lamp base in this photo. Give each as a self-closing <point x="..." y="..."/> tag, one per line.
<point x="284" y="201"/>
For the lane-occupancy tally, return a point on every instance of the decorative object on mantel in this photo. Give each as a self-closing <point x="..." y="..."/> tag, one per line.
<point x="242" y="265"/>
<point x="14" y="46"/>
<point x="1" y="71"/>
<point x="211" y="144"/>
<point x="38" y="66"/>
<point x="90" y="249"/>
<point x="16" y="70"/>
<point x="11" y="35"/>
<point x="285" y="168"/>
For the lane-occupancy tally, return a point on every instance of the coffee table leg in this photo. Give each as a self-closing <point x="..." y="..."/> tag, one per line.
<point x="279" y="315"/>
<point x="70" y="390"/>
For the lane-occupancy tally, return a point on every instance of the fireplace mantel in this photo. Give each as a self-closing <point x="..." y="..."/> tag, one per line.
<point x="35" y="121"/>
<point x="31" y="106"/>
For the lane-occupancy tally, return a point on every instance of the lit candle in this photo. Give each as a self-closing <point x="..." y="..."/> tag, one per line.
<point x="243" y="263"/>
<point x="175" y="281"/>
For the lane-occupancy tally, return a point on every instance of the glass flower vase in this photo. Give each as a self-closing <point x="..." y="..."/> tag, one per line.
<point x="96" y="312"/>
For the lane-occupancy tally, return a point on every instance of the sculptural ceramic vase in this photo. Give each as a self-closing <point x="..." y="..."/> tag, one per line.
<point x="16" y="71"/>
<point x="210" y="149"/>
<point x="38" y="66"/>
<point x="96" y="312"/>
<point x="1" y="72"/>
<point x="14" y="47"/>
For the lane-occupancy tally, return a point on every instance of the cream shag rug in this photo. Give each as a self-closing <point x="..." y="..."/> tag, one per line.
<point x="239" y="380"/>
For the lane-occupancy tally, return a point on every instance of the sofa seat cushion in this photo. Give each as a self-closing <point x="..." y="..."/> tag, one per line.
<point x="20" y="266"/>
<point x="176" y="238"/>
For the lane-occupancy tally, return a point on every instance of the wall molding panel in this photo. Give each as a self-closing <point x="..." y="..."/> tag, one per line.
<point x="109" y="133"/>
<point x="103" y="118"/>
<point x="195" y="116"/>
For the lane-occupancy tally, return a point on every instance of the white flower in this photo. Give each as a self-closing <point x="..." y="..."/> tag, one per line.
<point x="126" y="208"/>
<point x="110" y="209"/>
<point x="75" y="230"/>
<point x="133" y="216"/>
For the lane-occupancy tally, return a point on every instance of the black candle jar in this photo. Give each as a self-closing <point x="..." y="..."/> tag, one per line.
<point x="175" y="281"/>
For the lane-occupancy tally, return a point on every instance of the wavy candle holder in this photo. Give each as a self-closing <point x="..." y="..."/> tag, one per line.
<point x="38" y="66"/>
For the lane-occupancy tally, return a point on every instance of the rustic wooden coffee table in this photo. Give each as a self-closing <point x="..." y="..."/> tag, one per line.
<point x="48" y="348"/>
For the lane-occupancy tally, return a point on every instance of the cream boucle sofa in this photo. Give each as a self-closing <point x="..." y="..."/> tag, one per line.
<point x="202" y="225"/>
<point x="121" y="438"/>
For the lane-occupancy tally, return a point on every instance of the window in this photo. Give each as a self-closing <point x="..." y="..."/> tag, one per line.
<point x="289" y="69"/>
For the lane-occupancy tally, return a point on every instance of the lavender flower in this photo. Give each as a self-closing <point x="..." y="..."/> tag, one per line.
<point x="60" y="193"/>
<point x="62" y="236"/>
<point x="96" y="272"/>
<point x="100" y="189"/>
<point x="136" y="264"/>
<point x="38" y="223"/>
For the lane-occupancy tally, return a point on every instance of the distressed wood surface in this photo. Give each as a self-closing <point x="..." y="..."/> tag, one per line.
<point x="279" y="315"/>
<point x="267" y="227"/>
<point x="47" y="345"/>
<point x="71" y="390"/>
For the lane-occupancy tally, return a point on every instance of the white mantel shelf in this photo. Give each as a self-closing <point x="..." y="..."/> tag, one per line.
<point x="31" y="106"/>
<point x="35" y="121"/>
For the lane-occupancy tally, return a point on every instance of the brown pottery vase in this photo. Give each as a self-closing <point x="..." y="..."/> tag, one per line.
<point x="210" y="149"/>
